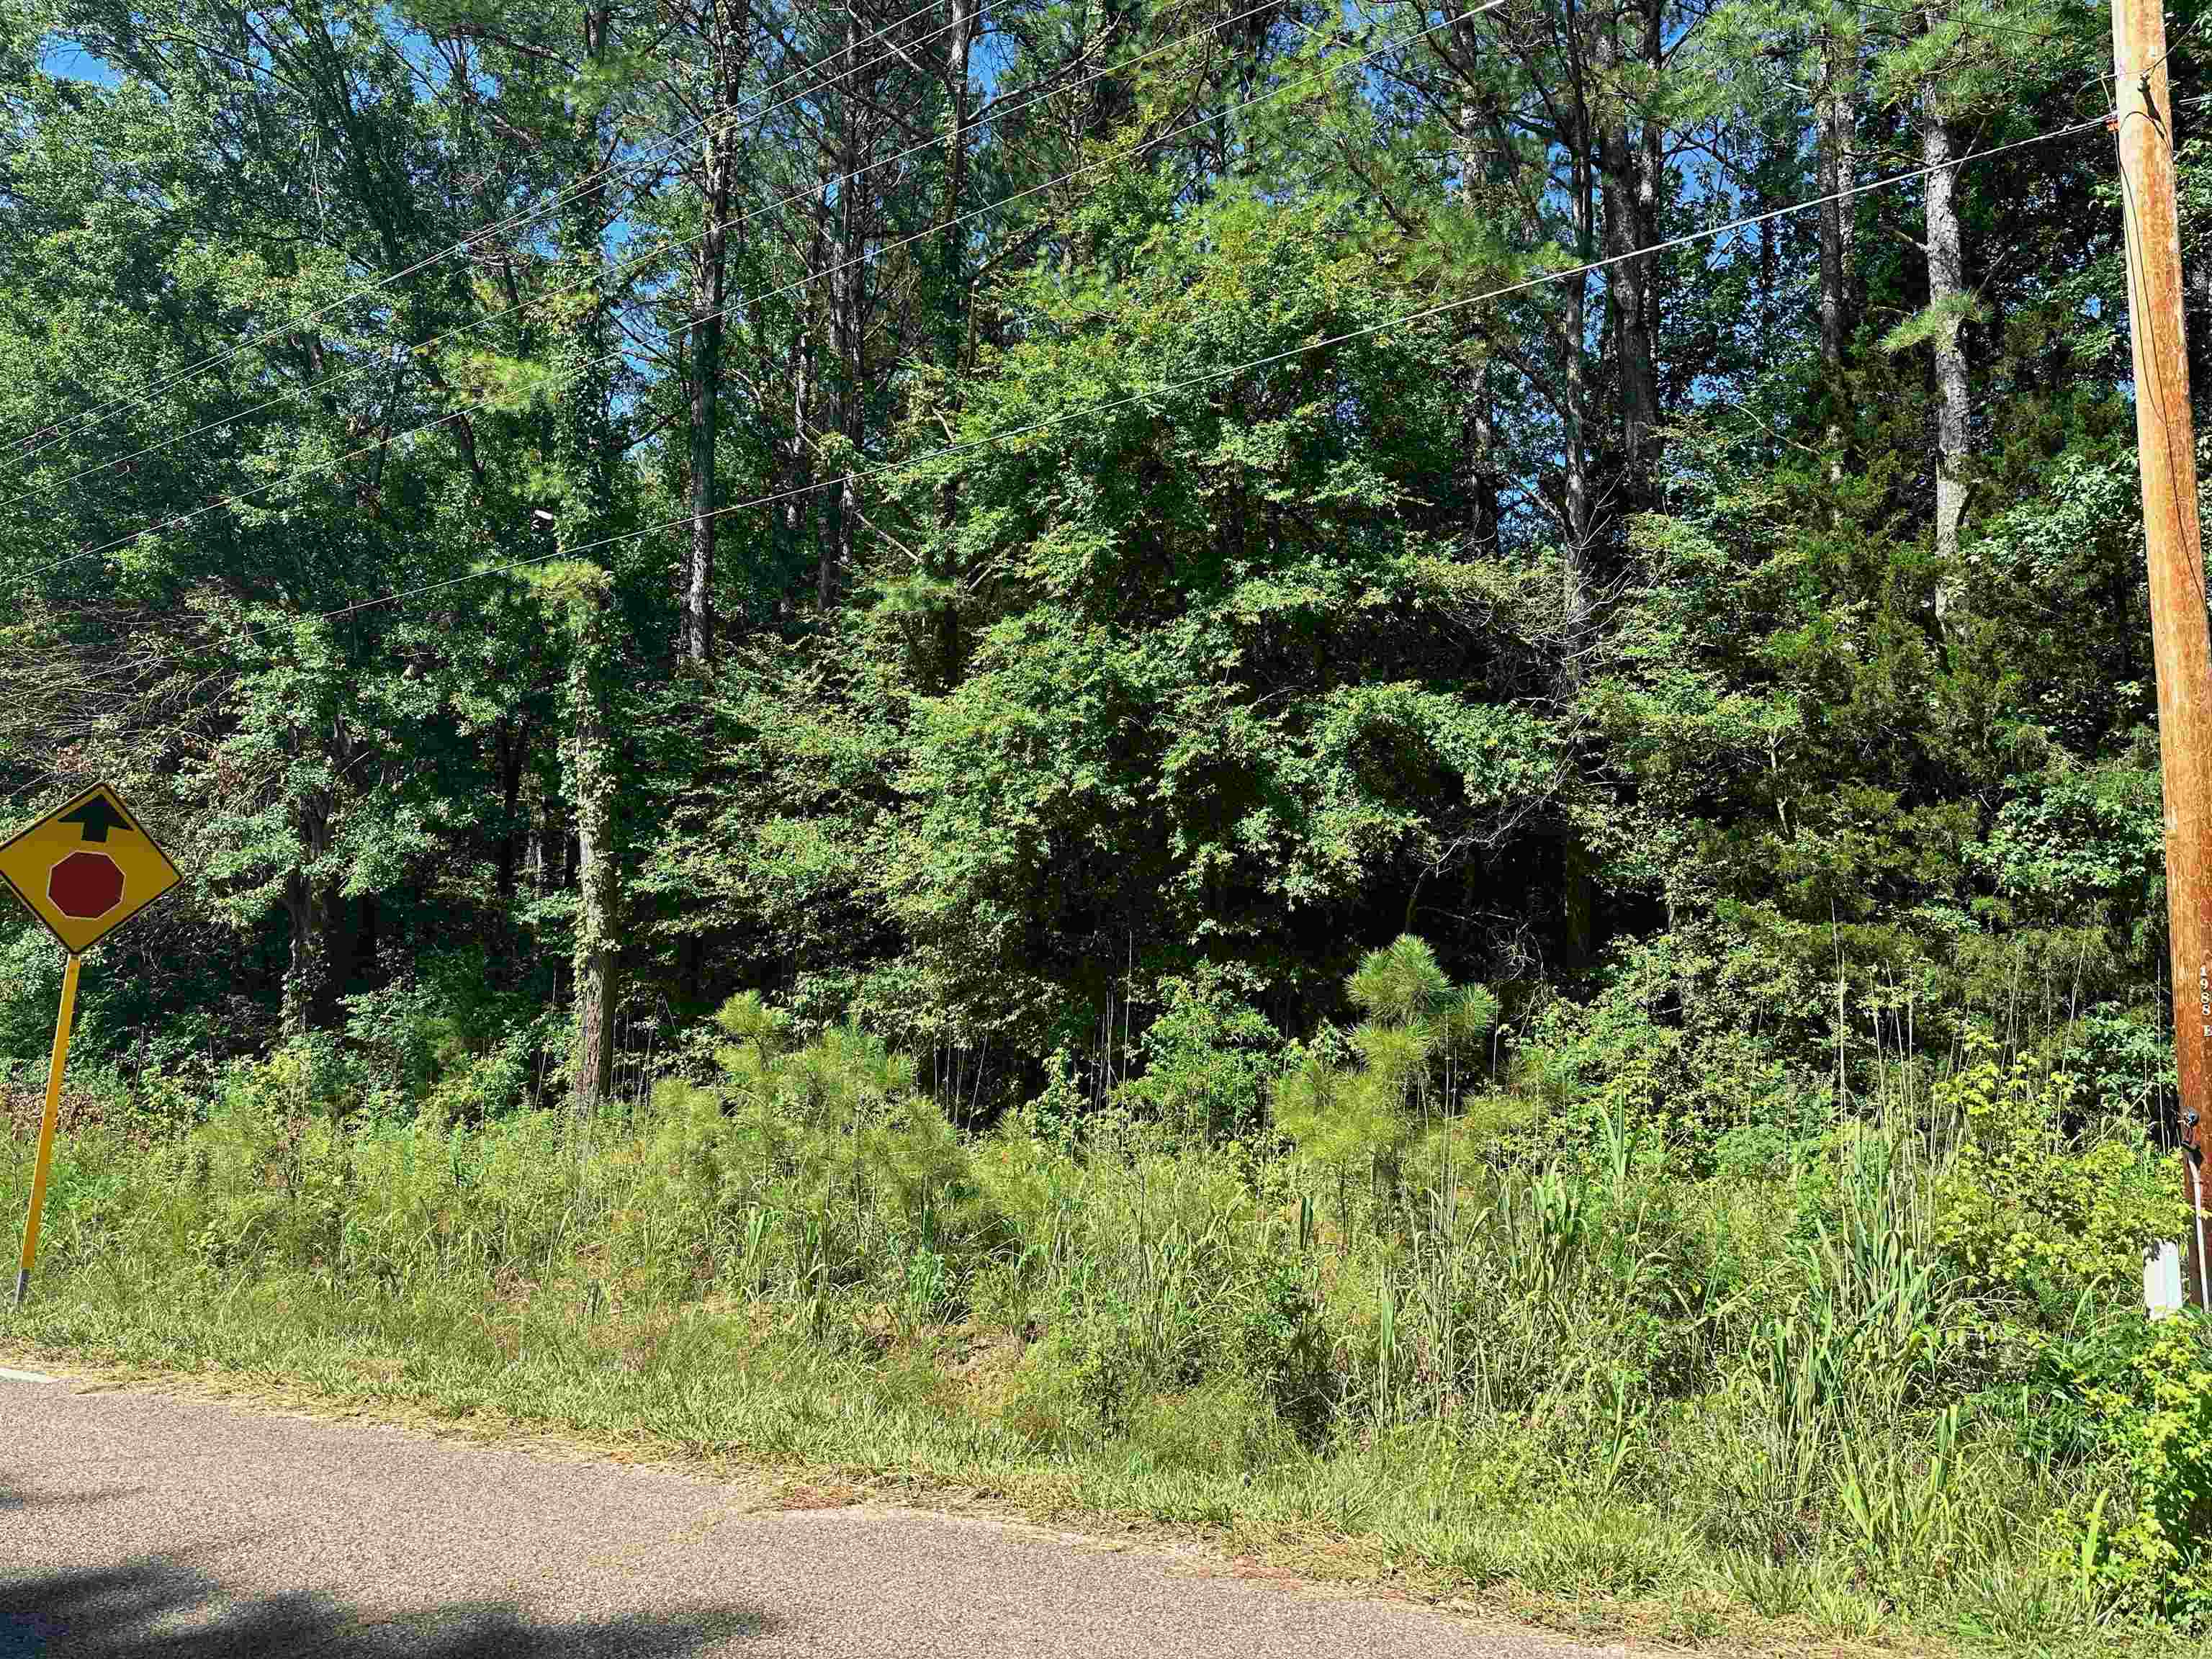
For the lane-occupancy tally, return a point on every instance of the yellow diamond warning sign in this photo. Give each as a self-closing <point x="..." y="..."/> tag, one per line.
<point x="87" y="868"/>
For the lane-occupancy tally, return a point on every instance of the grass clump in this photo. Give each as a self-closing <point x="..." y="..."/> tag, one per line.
<point x="1889" y="1379"/>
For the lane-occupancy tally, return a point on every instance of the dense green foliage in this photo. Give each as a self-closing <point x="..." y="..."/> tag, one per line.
<point x="895" y="652"/>
<point x="1188" y="610"/>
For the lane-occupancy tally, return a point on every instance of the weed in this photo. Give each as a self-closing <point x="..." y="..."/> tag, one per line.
<point x="1590" y="1375"/>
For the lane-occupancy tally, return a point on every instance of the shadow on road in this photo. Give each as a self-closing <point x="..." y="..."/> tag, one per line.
<point x="155" y="1608"/>
<point x="12" y="1499"/>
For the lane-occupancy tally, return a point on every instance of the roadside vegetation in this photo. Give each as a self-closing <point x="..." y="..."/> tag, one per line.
<point x="1549" y="1336"/>
<point x="805" y="661"/>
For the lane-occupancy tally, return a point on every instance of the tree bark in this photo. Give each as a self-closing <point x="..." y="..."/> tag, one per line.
<point x="1579" y="903"/>
<point x="727" y="53"/>
<point x="799" y="517"/>
<point x="1495" y="64"/>
<point x="1484" y="488"/>
<point x="1836" y="115"/>
<point x="951" y="236"/>
<point x="1650" y="182"/>
<point x="365" y="938"/>
<point x="586" y="453"/>
<point x="799" y="500"/>
<point x="1946" y="294"/>
<point x="1575" y="401"/>
<point x="597" y="892"/>
<point x="307" y="908"/>
<point x="705" y="388"/>
<point x="511" y="746"/>
<point x="846" y="291"/>
<point x="307" y="974"/>
<point x="1629" y="156"/>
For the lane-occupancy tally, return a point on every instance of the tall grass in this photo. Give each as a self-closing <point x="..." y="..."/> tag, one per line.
<point x="1551" y="1376"/>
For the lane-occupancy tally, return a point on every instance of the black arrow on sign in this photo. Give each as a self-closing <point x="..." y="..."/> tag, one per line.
<point x="97" y="817"/>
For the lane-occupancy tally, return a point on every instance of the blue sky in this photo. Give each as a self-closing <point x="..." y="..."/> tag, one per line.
<point x="67" y="61"/>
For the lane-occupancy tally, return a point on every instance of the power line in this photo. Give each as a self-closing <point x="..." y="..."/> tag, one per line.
<point x="2042" y="37"/>
<point x="101" y="415"/>
<point x="993" y="112"/>
<point x="384" y="443"/>
<point x="1422" y="314"/>
<point x="590" y="181"/>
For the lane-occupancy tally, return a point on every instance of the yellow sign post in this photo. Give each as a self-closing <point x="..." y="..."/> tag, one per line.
<point x="84" y="869"/>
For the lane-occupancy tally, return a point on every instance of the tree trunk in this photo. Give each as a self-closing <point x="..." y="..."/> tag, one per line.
<point x="1630" y="160"/>
<point x="513" y="749"/>
<point x="511" y="744"/>
<point x="586" y="441"/>
<point x="952" y="237"/>
<point x="535" y="857"/>
<point x="597" y="893"/>
<point x="1484" y="488"/>
<point x="690" y="966"/>
<point x="799" y="500"/>
<point x="1482" y="482"/>
<point x="1575" y="402"/>
<point x="1579" y="903"/>
<point x="1110" y="94"/>
<point x="1626" y="294"/>
<point x="1650" y="183"/>
<point x="706" y="387"/>
<point x="306" y="974"/>
<point x="307" y="906"/>
<point x="1584" y="143"/>
<point x="1837" y="115"/>
<point x="1946" y="294"/>
<point x="799" y="505"/>
<point x="846" y="287"/>
<point x="365" y="940"/>
<point x="718" y="160"/>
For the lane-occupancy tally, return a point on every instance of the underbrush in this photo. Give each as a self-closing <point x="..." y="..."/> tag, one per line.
<point x="1892" y="1377"/>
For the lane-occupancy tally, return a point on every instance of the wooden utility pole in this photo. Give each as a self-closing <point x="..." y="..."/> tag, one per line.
<point x="2165" y="444"/>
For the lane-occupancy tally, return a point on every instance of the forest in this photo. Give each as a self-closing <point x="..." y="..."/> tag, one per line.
<point x="1138" y="679"/>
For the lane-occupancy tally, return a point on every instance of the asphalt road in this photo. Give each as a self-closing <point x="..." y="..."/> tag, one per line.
<point x="136" y="1524"/>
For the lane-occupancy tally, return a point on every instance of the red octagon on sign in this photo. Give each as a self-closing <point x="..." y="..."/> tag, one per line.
<point x="85" y="885"/>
